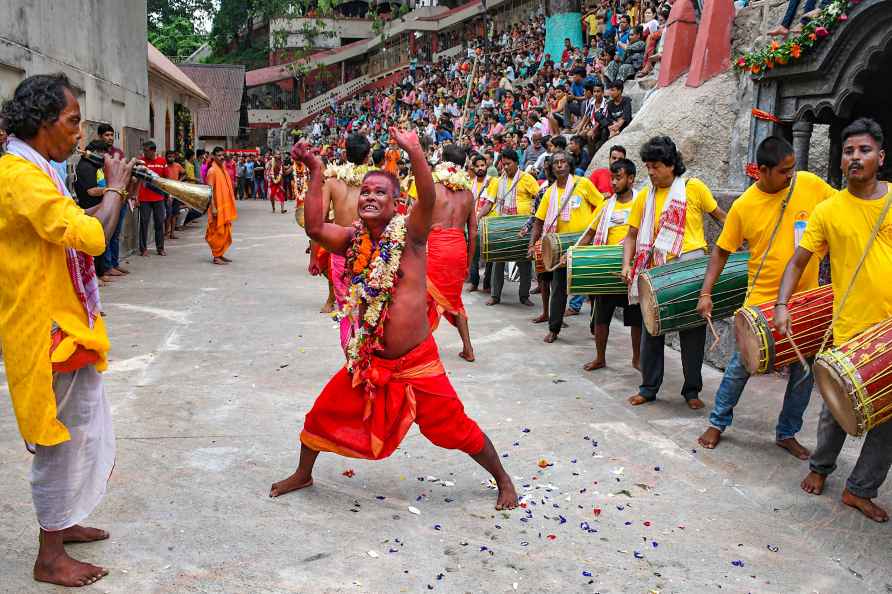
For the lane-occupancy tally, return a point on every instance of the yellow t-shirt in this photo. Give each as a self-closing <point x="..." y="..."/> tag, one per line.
<point x="842" y="226"/>
<point x="619" y="222"/>
<point x="752" y="219"/>
<point x="699" y="202"/>
<point x="591" y="23"/>
<point x="585" y="199"/>
<point x="37" y="223"/>
<point x="527" y="188"/>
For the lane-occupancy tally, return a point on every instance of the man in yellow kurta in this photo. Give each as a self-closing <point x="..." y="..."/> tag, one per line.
<point x="842" y="226"/>
<point x="567" y="207"/>
<point x="53" y="338"/>
<point x="775" y="201"/>
<point x="512" y="193"/>
<point x="222" y="211"/>
<point x="667" y="223"/>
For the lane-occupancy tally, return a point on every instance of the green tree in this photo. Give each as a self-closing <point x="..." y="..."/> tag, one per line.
<point x="162" y="12"/>
<point x="177" y="38"/>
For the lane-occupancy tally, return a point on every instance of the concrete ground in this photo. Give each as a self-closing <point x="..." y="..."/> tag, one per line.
<point x="213" y="369"/>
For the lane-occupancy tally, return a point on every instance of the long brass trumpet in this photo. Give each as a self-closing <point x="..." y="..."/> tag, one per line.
<point x="195" y="196"/>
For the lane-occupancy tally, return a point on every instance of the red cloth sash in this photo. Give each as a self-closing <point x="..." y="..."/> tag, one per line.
<point x="367" y="416"/>
<point x="447" y="268"/>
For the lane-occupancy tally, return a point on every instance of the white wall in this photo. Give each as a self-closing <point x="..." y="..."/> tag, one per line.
<point x="99" y="44"/>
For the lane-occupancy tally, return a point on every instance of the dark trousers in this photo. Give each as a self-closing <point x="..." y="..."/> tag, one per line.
<point x="249" y="189"/>
<point x="474" y="271"/>
<point x="574" y="107"/>
<point x="525" y="268"/>
<point x="239" y="188"/>
<point x="693" y="341"/>
<point x="156" y="211"/>
<point x="557" y="304"/>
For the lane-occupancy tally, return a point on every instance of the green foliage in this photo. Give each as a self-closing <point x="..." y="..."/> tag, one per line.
<point x="177" y="38"/>
<point x="163" y="12"/>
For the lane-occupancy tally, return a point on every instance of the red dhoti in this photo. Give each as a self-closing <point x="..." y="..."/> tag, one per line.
<point x="447" y="268"/>
<point x="368" y="417"/>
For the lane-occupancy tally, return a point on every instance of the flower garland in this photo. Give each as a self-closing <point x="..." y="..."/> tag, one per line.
<point x="778" y="54"/>
<point x="349" y="173"/>
<point x="373" y="274"/>
<point x="452" y="176"/>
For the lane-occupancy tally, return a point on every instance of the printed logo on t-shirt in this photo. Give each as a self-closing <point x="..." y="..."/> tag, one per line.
<point x="575" y="201"/>
<point x="800" y="222"/>
<point x="619" y="217"/>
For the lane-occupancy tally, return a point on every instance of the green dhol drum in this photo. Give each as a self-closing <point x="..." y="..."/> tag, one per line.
<point x="554" y="245"/>
<point x="499" y="239"/>
<point x="595" y="270"/>
<point x="668" y="294"/>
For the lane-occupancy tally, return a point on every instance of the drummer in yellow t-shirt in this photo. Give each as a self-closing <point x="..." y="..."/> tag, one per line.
<point x="843" y="226"/>
<point x="566" y="207"/>
<point x="512" y="193"/>
<point x="609" y="226"/>
<point x="667" y="191"/>
<point x="752" y="219"/>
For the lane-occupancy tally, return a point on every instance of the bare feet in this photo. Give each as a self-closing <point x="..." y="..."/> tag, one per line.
<point x="636" y="364"/>
<point x="78" y="533"/>
<point x="292" y="483"/>
<point x="225" y="259"/>
<point x="527" y="302"/>
<point x="779" y="31"/>
<point x="121" y="269"/>
<point x="794" y="447"/>
<point x="327" y="307"/>
<point x="473" y="289"/>
<point x="638" y="400"/>
<point x="550" y="337"/>
<point x="596" y="364"/>
<point x="162" y="253"/>
<point x="114" y="272"/>
<point x="493" y="301"/>
<point x="65" y="571"/>
<point x="571" y="312"/>
<point x="710" y="438"/>
<point x="507" y="496"/>
<point x="219" y="261"/>
<point x="695" y="404"/>
<point x="467" y="356"/>
<point x="812" y="14"/>
<point x="864" y="505"/>
<point x="103" y="283"/>
<point x="813" y="483"/>
<point x="535" y="291"/>
<point x="540" y="319"/>
<point x="796" y="30"/>
<point x="144" y="253"/>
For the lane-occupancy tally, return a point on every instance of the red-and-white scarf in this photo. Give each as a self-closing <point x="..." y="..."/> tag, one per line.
<point x="80" y="265"/>
<point x="507" y="195"/>
<point x="478" y="188"/>
<point x="555" y="201"/>
<point x="603" y="229"/>
<point x="653" y="250"/>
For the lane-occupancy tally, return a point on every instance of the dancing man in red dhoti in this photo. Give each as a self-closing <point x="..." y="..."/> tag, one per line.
<point x="393" y="376"/>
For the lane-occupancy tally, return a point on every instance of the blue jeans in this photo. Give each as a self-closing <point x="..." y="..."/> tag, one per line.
<point x="796" y="398"/>
<point x="112" y="250"/>
<point x="793" y="5"/>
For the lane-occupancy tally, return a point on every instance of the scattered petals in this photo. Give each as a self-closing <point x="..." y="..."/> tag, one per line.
<point x="349" y="473"/>
<point x="414" y="510"/>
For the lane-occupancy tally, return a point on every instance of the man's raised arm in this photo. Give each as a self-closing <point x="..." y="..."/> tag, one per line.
<point x="422" y="214"/>
<point x="332" y="237"/>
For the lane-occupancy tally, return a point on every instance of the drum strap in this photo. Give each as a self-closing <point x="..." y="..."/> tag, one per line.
<point x="773" y="236"/>
<point x="567" y="196"/>
<point x="845" y="296"/>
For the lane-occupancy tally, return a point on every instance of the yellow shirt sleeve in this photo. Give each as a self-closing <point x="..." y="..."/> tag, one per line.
<point x="589" y="193"/>
<point x="815" y="237"/>
<point x="492" y="191"/>
<point x="542" y="211"/>
<point x="638" y="209"/>
<point x="731" y="237"/>
<point x="706" y="201"/>
<point x="57" y="218"/>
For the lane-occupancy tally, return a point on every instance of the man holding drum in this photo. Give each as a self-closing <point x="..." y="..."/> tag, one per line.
<point x="566" y="207"/>
<point x="770" y="216"/>
<point x="844" y="226"/>
<point x="609" y="226"/>
<point x="667" y="223"/>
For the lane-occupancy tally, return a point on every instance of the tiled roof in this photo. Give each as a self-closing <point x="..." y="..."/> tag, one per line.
<point x="224" y="84"/>
<point x="159" y="64"/>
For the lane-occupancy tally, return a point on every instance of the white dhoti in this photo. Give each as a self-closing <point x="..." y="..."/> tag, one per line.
<point x="69" y="480"/>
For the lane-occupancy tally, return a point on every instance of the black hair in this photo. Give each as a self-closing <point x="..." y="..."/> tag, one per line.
<point x="578" y="140"/>
<point x="358" y="148"/>
<point x="864" y="126"/>
<point x="477" y="157"/>
<point x="616" y="84"/>
<point x="619" y="148"/>
<point x="559" y="141"/>
<point x="150" y="145"/>
<point x="217" y="149"/>
<point x="511" y="155"/>
<point x="623" y="165"/>
<point x="663" y="150"/>
<point x="200" y="153"/>
<point x="455" y="154"/>
<point x="97" y="146"/>
<point x="37" y="100"/>
<point x="104" y="128"/>
<point x="772" y="151"/>
<point x="188" y="154"/>
<point x="378" y="156"/>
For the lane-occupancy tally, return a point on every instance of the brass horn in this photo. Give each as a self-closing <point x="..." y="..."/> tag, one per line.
<point x="195" y="196"/>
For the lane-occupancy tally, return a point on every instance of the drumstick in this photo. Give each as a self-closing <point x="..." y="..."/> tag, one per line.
<point x="715" y="334"/>
<point x="802" y="360"/>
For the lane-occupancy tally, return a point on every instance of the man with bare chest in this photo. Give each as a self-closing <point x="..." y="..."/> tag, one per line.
<point x="448" y="252"/>
<point x="393" y="375"/>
